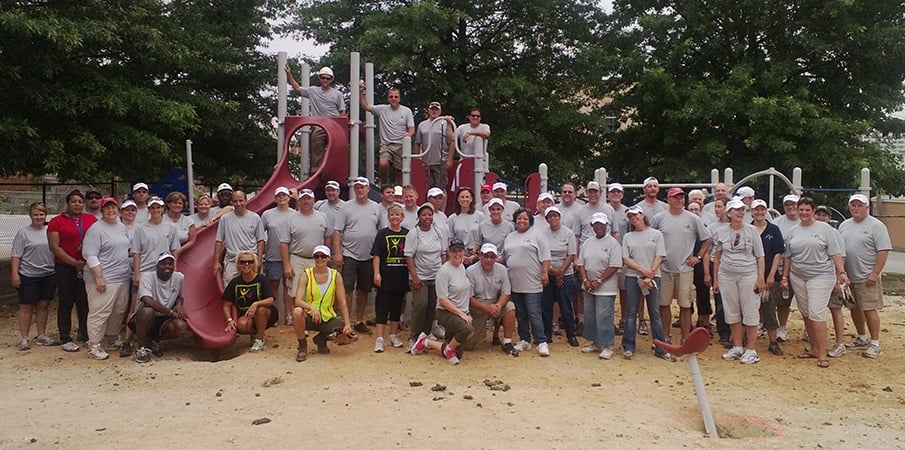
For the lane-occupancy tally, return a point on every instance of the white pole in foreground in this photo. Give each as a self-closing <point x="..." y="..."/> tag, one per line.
<point x="354" y="117"/>
<point x="190" y="174"/>
<point x="369" y="121"/>
<point x="305" y="138"/>
<point x="544" y="178"/>
<point x="281" y="104"/>
<point x="703" y="401"/>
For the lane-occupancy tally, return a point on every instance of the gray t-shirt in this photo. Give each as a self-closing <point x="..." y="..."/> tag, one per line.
<point x="620" y="220"/>
<point x="680" y="233"/>
<point x="509" y="208"/>
<point x="239" y="233"/>
<point x="495" y="234"/>
<point x="489" y="286"/>
<point x="142" y="216"/>
<point x="524" y="253"/>
<point x="581" y="224"/>
<point x="426" y="249"/>
<point x="811" y="249"/>
<point x="358" y="223"/>
<point x="410" y="220"/>
<point x="304" y="232"/>
<point x="198" y="220"/>
<point x="562" y="244"/>
<point x="108" y="245"/>
<point x="650" y="210"/>
<point x="327" y="103"/>
<point x="863" y="240"/>
<point x="440" y="220"/>
<point x="466" y="227"/>
<point x="393" y="123"/>
<point x="785" y="224"/>
<point x="643" y="247"/>
<point x="438" y="150"/>
<point x="453" y="284"/>
<point x="598" y="255"/>
<point x="276" y="225"/>
<point x="467" y="146"/>
<point x="149" y="241"/>
<point x="164" y="292"/>
<point x="31" y="247"/>
<point x="739" y="248"/>
<point x="183" y="223"/>
<point x="329" y="209"/>
<point x="568" y="213"/>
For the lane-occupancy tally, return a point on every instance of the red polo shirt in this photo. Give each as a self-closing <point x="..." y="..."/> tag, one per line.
<point x="72" y="231"/>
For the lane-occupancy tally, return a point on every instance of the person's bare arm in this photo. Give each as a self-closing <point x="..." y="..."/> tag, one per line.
<point x="15" y="280"/>
<point x="295" y="84"/>
<point x="364" y="102"/>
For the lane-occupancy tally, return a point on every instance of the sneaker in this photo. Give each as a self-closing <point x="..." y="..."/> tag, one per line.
<point x="522" y="346"/>
<point x="395" y="341"/>
<point x="873" y="351"/>
<point x="143" y="355"/>
<point x="419" y="344"/>
<point x="557" y="331"/>
<point x="642" y="328"/>
<point x="23" y="344"/>
<point x="858" y="342"/>
<point x="378" y="345"/>
<point x="257" y="345"/>
<point x="409" y="345"/>
<point x="760" y="330"/>
<point x="733" y="353"/>
<point x="125" y="350"/>
<point x="496" y="341"/>
<point x="775" y="349"/>
<point x="451" y="355"/>
<point x="782" y="334"/>
<point x="543" y="349"/>
<point x="591" y="348"/>
<point x="97" y="352"/>
<point x="573" y="342"/>
<point x="749" y="357"/>
<point x="113" y="345"/>
<point x="837" y="351"/>
<point x="677" y="324"/>
<point x="44" y="339"/>
<point x="667" y="357"/>
<point x="156" y="351"/>
<point x="287" y="321"/>
<point x="509" y="349"/>
<point x="606" y="353"/>
<point x="71" y="347"/>
<point x="628" y="354"/>
<point x="360" y="327"/>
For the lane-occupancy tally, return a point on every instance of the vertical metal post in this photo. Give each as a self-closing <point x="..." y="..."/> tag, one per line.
<point x="44" y="195"/>
<point x="355" y="114"/>
<point x="770" y="202"/>
<point x="190" y="174"/>
<point x="281" y="103"/>
<point x="305" y="137"/>
<point x="865" y="182"/>
<point x="406" y="160"/>
<point x="543" y="171"/>
<point x="714" y="177"/>
<point x="369" y="120"/>
<point x="727" y="177"/>
<point x="796" y="180"/>
<point x="479" y="165"/>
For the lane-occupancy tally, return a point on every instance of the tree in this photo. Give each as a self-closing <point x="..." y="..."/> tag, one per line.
<point x="753" y="84"/>
<point x="522" y="62"/>
<point x="109" y="87"/>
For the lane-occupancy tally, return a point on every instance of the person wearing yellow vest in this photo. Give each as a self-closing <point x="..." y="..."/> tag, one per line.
<point x="314" y="309"/>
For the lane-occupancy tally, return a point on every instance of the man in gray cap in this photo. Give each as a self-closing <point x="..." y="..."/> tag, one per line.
<point x="326" y="101"/>
<point x="435" y="137"/>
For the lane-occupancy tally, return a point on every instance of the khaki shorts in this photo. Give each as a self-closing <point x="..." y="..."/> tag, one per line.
<point x="479" y="323"/>
<point x="868" y="298"/>
<point x="681" y="284"/>
<point x="392" y="153"/>
<point x="836" y="301"/>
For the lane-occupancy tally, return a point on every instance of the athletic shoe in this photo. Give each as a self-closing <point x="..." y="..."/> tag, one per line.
<point x="71" y="347"/>
<point x="873" y="351"/>
<point x="749" y="357"/>
<point x="156" y="351"/>
<point x="395" y="341"/>
<point x="677" y="324"/>
<point x="44" y="339"/>
<point x="409" y="345"/>
<point x="837" y="351"/>
<point x="420" y="344"/>
<point x="378" y="345"/>
<point x="782" y="334"/>
<point x="97" y="352"/>
<point x="733" y="353"/>
<point x="543" y="349"/>
<point x="666" y="357"/>
<point x="775" y="349"/>
<point x="287" y="321"/>
<point x="143" y="355"/>
<point x="496" y="341"/>
<point x="606" y="353"/>
<point x="522" y="346"/>
<point x="125" y="350"/>
<point x="591" y="348"/>
<point x="642" y="328"/>
<point x="628" y="354"/>
<point x="509" y="349"/>
<point x="858" y="342"/>
<point x="451" y="355"/>
<point x="573" y="341"/>
<point x="23" y="344"/>
<point x="257" y="345"/>
<point x="115" y="345"/>
<point x="557" y="331"/>
<point x="360" y="327"/>
<point x="760" y="330"/>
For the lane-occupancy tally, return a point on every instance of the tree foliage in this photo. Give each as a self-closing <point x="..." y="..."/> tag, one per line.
<point x="110" y="87"/>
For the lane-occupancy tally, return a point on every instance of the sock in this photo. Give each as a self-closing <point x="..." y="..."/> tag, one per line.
<point x="737" y="349"/>
<point x="875" y="342"/>
<point x="863" y="337"/>
<point x="507" y="340"/>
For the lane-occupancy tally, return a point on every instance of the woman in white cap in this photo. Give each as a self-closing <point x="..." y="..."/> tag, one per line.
<point x="495" y="229"/>
<point x="527" y="255"/>
<point x="425" y="253"/>
<point x="813" y="265"/>
<point x="319" y="292"/>
<point x="463" y="225"/>
<point x="738" y="274"/>
<point x="559" y="290"/>
<point x="127" y="212"/>
<point x="33" y="276"/>
<point x="771" y="238"/>
<point x="600" y="260"/>
<point x="107" y="273"/>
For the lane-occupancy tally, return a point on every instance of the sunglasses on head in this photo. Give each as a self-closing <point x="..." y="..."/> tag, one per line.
<point x="245" y="262"/>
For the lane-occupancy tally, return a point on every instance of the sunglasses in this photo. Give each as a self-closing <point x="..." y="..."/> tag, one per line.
<point x="94" y="197"/>
<point x="246" y="262"/>
<point x="737" y="240"/>
<point x="326" y="78"/>
<point x="474" y="115"/>
<point x="321" y="256"/>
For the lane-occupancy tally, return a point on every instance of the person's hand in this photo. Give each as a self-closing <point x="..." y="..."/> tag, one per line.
<point x="361" y="88"/>
<point x="842" y="279"/>
<point x="218" y="268"/>
<point x="377" y="279"/>
<point x="288" y="273"/>
<point x="347" y="329"/>
<point x="493" y="310"/>
<point x="231" y="326"/>
<point x="251" y="310"/>
<point x="416" y="284"/>
<point x="769" y="283"/>
<point x="288" y="70"/>
<point x="556" y="273"/>
<point x="179" y="312"/>
<point x="338" y="262"/>
<point x="544" y="278"/>
<point x="784" y="283"/>
<point x="872" y="279"/>
<point x="449" y="164"/>
<point x="647" y="272"/>
<point x="101" y="285"/>
<point x="708" y="280"/>
<point x="692" y="261"/>
<point x="760" y="286"/>
<point x="465" y="317"/>
<point x="80" y="266"/>
<point x="192" y="232"/>
<point x="315" y="315"/>
<point x="560" y="282"/>
<point x="716" y="287"/>
<point x="15" y="280"/>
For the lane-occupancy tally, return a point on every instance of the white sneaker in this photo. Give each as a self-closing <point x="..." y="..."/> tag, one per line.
<point x="44" y="339"/>
<point x="858" y="342"/>
<point x="23" y="344"/>
<point x="733" y="353"/>
<point x="395" y="341"/>
<point x="749" y="357"/>
<point x="97" y="352"/>
<point x="543" y="349"/>
<point x="606" y="353"/>
<point x="378" y="345"/>
<point x="287" y="321"/>
<point x="70" y="346"/>
<point x="782" y="334"/>
<point x="523" y="346"/>
<point x="591" y="348"/>
<point x="257" y="345"/>
<point x="873" y="351"/>
<point x="628" y="354"/>
<point x="837" y="351"/>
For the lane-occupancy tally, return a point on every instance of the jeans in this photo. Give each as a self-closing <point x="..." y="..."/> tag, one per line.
<point x="562" y="295"/>
<point x="72" y="293"/>
<point x="598" y="319"/>
<point x="529" y="316"/>
<point x="633" y="294"/>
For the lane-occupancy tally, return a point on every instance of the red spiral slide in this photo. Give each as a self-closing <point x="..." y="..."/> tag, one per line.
<point x="202" y="289"/>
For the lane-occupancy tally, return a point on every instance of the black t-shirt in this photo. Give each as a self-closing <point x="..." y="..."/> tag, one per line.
<point x="772" y="240"/>
<point x="244" y="293"/>
<point x="389" y="247"/>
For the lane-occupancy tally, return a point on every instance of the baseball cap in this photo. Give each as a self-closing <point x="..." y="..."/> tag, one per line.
<point x="615" y="187"/>
<point x="599" y="218"/>
<point x="860" y="198"/>
<point x="321" y="249"/>
<point x="333" y="184"/>
<point x="823" y="209"/>
<point x="306" y="192"/>
<point x="495" y="201"/>
<point x="434" y="105"/>
<point x="127" y="203"/>
<point x="758" y="202"/>
<point x="137" y="186"/>
<point x="489" y="248"/>
<point x="635" y="209"/>
<point x="545" y="196"/>
<point x="791" y="198"/>
<point x="223" y="187"/>
<point x="152" y="202"/>
<point x="499" y="185"/>
<point x="325" y="71"/>
<point x="650" y="180"/>
<point x="361" y="181"/>
<point x="552" y="209"/>
<point x="281" y="190"/>
<point x="486" y="187"/>
<point x="107" y="200"/>
<point x="456" y="244"/>
<point x="165" y="255"/>
<point x="434" y="192"/>
<point x="426" y="205"/>
<point x="397" y="190"/>
<point x="592" y="186"/>
<point x="745" y="191"/>
<point x="674" y="191"/>
<point x="92" y="190"/>
<point x="734" y="204"/>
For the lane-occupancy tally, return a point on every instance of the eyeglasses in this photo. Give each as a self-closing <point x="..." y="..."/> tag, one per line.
<point x="738" y="238"/>
<point x="94" y="197"/>
<point x="475" y="115"/>
<point x="321" y="256"/>
<point x="326" y="78"/>
<point x="246" y="262"/>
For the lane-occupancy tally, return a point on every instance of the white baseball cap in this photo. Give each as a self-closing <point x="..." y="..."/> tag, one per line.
<point x="138" y="186"/>
<point x="495" y="201"/>
<point x="745" y="191"/>
<point x="615" y="187"/>
<point x="859" y="198"/>
<point x="599" y="218"/>
<point x="224" y="187"/>
<point x="156" y="201"/>
<point x="634" y="209"/>
<point x="499" y="185"/>
<point x="552" y="209"/>
<point x="734" y="204"/>
<point x="281" y="190"/>
<point x="333" y="184"/>
<point x="361" y="181"/>
<point x="306" y="192"/>
<point x="397" y="190"/>
<point x="791" y="198"/>
<point x="758" y="202"/>
<point x="489" y="248"/>
<point x="127" y="203"/>
<point x="165" y="255"/>
<point x="434" y="192"/>
<point x="650" y="180"/>
<point x="545" y="196"/>
<point x="321" y="249"/>
<point x="592" y="186"/>
<point x="325" y="71"/>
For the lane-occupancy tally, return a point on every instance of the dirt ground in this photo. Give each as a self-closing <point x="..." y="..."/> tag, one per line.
<point x="356" y="398"/>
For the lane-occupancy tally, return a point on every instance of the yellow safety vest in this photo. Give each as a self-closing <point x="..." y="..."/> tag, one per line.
<point x="322" y="301"/>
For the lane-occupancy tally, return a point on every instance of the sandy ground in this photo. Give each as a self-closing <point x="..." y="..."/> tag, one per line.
<point x="356" y="398"/>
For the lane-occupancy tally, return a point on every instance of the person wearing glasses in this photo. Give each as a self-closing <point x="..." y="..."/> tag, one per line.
<point x="395" y="122"/>
<point x="468" y="132"/>
<point x="738" y="274"/>
<point x="93" y="202"/>
<point x="438" y="157"/>
<point x="320" y="291"/>
<point x="252" y="295"/>
<point x="325" y="101"/>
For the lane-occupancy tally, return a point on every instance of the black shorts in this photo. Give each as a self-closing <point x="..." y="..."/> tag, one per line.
<point x="34" y="289"/>
<point x="156" y="327"/>
<point x="360" y="271"/>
